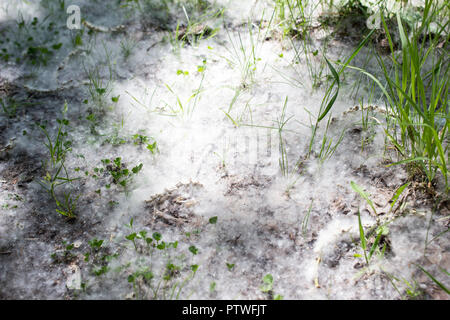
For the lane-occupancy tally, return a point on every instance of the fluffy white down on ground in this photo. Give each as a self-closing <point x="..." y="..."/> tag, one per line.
<point x="213" y="108"/>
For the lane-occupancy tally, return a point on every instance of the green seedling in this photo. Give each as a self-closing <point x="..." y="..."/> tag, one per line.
<point x="99" y="257"/>
<point x="139" y="139"/>
<point x="127" y="47"/>
<point x="10" y="106"/>
<point x="243" y="58"/>
<point x="267" y="287"/>
<point x="187" y="108"/>
<point x="364" y="195"/>
<point x="305" y="219"/>
<point x="119" y="173"/>
<point x="64" y="256"/>
<point x="380" y="231"/>
<point x="181" y="72"/>
<point x="267" y="283"/>
<point x="132" y="237"/>
<point x="56" y="171"/>
<point x="196" y="29"/>
<point x="95" y="244"/>
<point x="327" y="148"/>
<point x="152" y="147"/>
<point x="397" y="194"/>
<point x="297" y="24"/>
<point x="30" y="47"/>
<point x="331" y="94"/>
<point x="99" y="88"/>
<point x="68" y="207"/>
<point x="149" y="282"/>
<point x="213" y="220"/>
<point x="412" y="288"/>
<point x="193" y="250"/>
<point x="438" y="283"/>
<point x="281" y="122"/>
<point x="77" y="38"/>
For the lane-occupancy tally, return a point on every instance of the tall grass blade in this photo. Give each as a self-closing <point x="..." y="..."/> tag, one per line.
<point x="363" y="194"/>
<point x="435" y="280"/>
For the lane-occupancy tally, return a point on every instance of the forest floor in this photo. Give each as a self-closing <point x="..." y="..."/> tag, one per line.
<point x="139" y="160"/>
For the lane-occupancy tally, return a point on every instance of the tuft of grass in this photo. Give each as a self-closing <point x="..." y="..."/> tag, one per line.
<point x="126" y="47"/>
<point x="56" y="172"/>
<point x="363" y="236"/>
<point x="305" y="219"/>
<point x="295" y="18"/>
<point x="331" y="95"/>
<point x="186" y="108"/>
<point x="244" y="55"/>
<point x="195" y="30"/>
<point x="416" y="92"/>
<point x="150" y="282"/>
<point x="281" y="122"/>
<point x="443" y="287"/>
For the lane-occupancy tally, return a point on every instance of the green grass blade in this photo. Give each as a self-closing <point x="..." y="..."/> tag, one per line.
<point x="375" y="244"/>
<point x="398" y="193"/>
<point x="333" y="99"/>
<point x="229" y="117"/>
<point x="363" y="194"/>
<point x="435" y="280"/>
<point x="336" y="75"/>
<point x="362" y="237"/>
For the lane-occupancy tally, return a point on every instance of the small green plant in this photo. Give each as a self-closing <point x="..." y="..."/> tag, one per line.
<point x="267" y="283"/>
<point x="56" y="172"/>
<point x="157" y="284"/>
<point x="10" y="106"/>
<point x="98" y="257"/>
<point x="281" y="122"/>
<point x="364" y="237"/>
<point x="120" y="174"/>
<point x="193" y="250"/>
<point x="331" y="95"/>
<point x="127" y="47"/>
<point x="29" y="47"/>
<point x="411" y="287"/>
<point x="363" y="194"/>
<point x="380" y="231"/>
<point x="187" y="108"/>
<point x="77" y="38"/>
<point x="244" y="55"/>
<point x="139" y="139"/>
<point x="305" y="219"/>
<point x="195" y="30"/>
<point x="440" y="285"/>
<point x="267" y="287"/>
<point x="65" y="255"/>
<point x="213" y="220"/>
<point x="327" y="149"/>
<point x="397" y="195"/>
<point x="99" y="89"/>
<point x="295" y="18"/>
